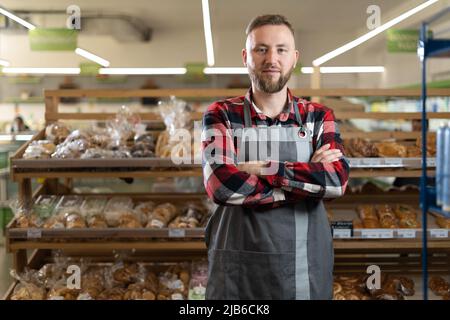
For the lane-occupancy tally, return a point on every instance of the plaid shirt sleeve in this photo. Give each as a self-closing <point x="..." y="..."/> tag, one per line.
<point x="301" y="180"/>
<point x="224" y="183"/>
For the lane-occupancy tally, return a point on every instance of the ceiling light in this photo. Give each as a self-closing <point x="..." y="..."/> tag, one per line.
<point x="208" y="33"/>
<point x="225" y="70"/>
<point x="142" y="71"/>
<point x="41" y="70"/>
<point x="12" y="16"/>
<point x="370" y="69"/>
<point x="371" y="34"/>
<point x="90" y="56"/>
<point x="4" y="63"/>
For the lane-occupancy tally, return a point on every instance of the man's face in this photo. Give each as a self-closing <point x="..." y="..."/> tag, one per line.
<point x="270" y="57"/>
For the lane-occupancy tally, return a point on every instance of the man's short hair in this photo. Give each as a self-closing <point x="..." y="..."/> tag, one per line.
<point x="268" y="19"/>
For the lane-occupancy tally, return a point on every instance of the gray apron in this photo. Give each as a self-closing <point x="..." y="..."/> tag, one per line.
<point x="281" y="253"/>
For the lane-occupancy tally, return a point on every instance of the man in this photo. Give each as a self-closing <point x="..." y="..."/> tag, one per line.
<point x="269" y="237"/>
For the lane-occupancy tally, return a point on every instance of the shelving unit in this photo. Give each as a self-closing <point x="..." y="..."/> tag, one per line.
<point x="428" y="48"/>
<point x="182" y="244"/>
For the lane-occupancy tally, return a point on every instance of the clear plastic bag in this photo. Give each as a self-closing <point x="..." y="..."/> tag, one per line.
<point x="115" y="208"/>
<point x="41" y="149"/>
<point x="45" y="205"/>
<point x="161" y="215"/>
<point x="122" y="128"/>
<point x="57" y="132"/>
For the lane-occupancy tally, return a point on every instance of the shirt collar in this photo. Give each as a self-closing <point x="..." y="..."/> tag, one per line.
<point x="255" y="112"/>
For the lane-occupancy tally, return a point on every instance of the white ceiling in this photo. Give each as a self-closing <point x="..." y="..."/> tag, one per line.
<point x="306" y="15"/>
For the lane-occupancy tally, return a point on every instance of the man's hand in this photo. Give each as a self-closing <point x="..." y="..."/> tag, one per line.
<point x="253" y="167"/>
<point x="324" y="154"/>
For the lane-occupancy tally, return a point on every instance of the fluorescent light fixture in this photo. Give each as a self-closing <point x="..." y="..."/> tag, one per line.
<point x="224" y="70"/>
<point x="371" y="69"/>
<point x="5" y="137"/>
<point x="371" y="34"/>
<point x="23" y="137"/>
<point x="12" y="16"/>
<point x="90" y="56"/>
<point x="307" y="69"/>
<point x="41" y="70"/>
<point x="208" y="33"/>
<point x="143" y="71"/>
<point x="4" y="63"/>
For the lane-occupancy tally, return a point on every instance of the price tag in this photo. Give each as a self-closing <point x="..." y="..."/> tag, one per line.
<point x="397" y="162"/>
<point x="34" y="233"/>
<point x="342" y="233"/>
<point x="354" y="162"/>
<point x="177" y="233"/>
<point x="406" y="233"/>
<point x="377" y="234"/>
<point x="431" y="162"/>
<point x="371" y="162"/>
<point x="439" y="233"/>
<point x="342" y="229"/>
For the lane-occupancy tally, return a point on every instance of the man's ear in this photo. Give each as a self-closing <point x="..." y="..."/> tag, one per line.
<point x="244" y="57"/>
<point x="297" y="56"/>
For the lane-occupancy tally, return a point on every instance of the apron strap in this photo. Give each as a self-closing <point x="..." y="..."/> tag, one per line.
<point x="297" y="114"/>
<point x="247" y="117"/>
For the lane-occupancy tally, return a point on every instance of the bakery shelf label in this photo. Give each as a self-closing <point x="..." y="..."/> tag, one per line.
<point x="377" y="234"/>
<point x="34" y="233"/>
<point x="439" y="233"/>
<point x="342" y="229"/>
<point x="406" y="233"/>
<point x="177" y="233"/>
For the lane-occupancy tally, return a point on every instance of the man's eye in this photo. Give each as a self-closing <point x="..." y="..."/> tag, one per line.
<point x="281" y="50"/>
<point x="261" y="50"/>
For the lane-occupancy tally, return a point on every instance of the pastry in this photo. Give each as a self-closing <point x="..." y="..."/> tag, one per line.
<point x="75" y="221"/>
<point x="125" y="273"/>
<point x="115" y="293"/>
<point x="129" y="220"/>
<point x="57" y="132"/>
<point x="385" y="211"/>
<point x="367" y="212"/>
<point x="54" y="222"/>
<point x="336" y="288"/>
<point x="62" y="292"/>
<point x="388" y="222"/>
<point x="28" y="291"/>
<point x="97" y="221"/>
<point x="161" y="215"/>
<point x="443" y="222"/>
<point x="404" y="212"/>
<point x="410" y="223"/>
<point x="371" y="224"/>
<point x="357" y="224"/>
<point x="391" y="149"/>
<point x="439" y="286"/>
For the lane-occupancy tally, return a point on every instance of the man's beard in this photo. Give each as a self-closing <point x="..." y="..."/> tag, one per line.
<point x="265" y="84"/>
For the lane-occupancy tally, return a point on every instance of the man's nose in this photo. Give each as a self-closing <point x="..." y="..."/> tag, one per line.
<point x="271" y="56"/>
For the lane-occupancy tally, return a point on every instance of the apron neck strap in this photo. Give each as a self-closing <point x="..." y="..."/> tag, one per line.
<point x="248" y="119"/>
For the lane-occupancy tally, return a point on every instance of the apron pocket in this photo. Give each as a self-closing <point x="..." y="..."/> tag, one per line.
<point x="223" y="275"/>
<point x="266" y="275"/>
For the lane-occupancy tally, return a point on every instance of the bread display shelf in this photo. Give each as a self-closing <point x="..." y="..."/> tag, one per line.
<point x="104" y="234"/>
<point x="172" y="243"/>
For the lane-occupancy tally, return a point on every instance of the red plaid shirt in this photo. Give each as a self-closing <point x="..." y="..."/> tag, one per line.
<point x="294" y="181"/>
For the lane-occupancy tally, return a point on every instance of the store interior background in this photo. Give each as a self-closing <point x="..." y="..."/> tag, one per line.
<point x="178" y="38"/>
